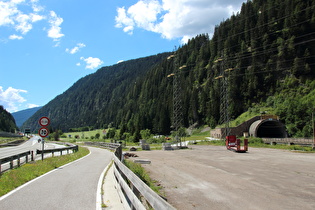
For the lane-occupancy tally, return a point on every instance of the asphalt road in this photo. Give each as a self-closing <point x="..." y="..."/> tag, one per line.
<point x="31" y="144"/>
<point x="211" y="177"/>
<point x="73" y="186"/>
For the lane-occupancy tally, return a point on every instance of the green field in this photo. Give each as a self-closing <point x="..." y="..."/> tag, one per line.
<point x="83" y="135"/>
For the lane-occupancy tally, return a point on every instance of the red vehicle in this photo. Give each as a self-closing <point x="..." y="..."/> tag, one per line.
<point x="235" y="144"/>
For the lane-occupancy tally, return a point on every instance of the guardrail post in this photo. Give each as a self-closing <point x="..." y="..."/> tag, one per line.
<point x="32" y="155"/>
<point x="11" y="163"/>
<point x="0" y="166"/>
<point x="18" y="161"/>
<point x="26" y="157"/>
<point x="118" y="153"/>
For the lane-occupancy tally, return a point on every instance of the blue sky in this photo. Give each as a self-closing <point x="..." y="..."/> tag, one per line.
<point x="47" y="45"/>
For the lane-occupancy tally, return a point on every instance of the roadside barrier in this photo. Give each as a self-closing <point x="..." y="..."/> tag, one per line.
<point x="117" y="148"/>
<point x="136" y="194"/>
<point x="15" y="160"/>
<point x="17" y="157"/>
<point x="74" y="148"/>
<point x="133" y="192"/>
<point x="289" y="141"/>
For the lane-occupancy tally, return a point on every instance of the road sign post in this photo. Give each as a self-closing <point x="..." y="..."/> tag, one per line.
<point x="43" y="131"/>
<point x="44" y="121"/>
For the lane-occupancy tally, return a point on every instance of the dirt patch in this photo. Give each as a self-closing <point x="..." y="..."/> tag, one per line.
<point x="211" y="177"/>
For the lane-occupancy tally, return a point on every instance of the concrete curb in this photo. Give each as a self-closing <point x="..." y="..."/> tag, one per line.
<point x="110" y="197"/>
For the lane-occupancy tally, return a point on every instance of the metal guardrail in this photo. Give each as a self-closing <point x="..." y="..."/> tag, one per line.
<point x="25" y="154"/>
<point x="18" y="158"/>
<point x="74" y="148"/>
<point x="132" y="194"/>
<point x="12" y="143"/>
<point x="117" y="148"/>
<point x="7" y="134"/>
<point x="290" y="141"/>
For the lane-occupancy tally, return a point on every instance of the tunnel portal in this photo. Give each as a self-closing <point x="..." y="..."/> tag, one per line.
<point x="268" y="128"/>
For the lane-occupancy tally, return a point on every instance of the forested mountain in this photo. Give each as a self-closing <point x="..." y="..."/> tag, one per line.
<point x="21" y="116"/>
<point x="268" y="49"/>
<point x="96" y="99"/>
<point x="7" y="122"/>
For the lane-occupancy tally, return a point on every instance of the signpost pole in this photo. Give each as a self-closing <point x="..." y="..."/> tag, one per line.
<point x="43" y="147"/>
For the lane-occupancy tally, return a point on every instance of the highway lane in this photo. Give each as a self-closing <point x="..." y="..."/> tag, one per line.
<point x="73" y="186"/>
<point x="31" y="144"/>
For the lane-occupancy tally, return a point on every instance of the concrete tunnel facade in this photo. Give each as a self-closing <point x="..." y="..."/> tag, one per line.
<point x="267" y="128"/>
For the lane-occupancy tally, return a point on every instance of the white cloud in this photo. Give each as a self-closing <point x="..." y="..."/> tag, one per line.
<point x="12" y="16"/>
<point x="24" y="24"/>
<point x="7" y="12"/>
<point x="55" y="30"/>
<point x="11" y="98"/>
<point x="75" y="49"/>
<point x="176" y="18"/>
<point x="32" y="105"/>
<point x="36" y="17"/>
<point x="143" y="14"/>
<point x="14" y="36"/>
<point x="92" y="63"/>
<point x="122" y="21"/>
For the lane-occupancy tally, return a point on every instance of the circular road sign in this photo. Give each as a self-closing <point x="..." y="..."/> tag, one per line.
<point x="43" y="132"/>
<point x="44" y="121"/>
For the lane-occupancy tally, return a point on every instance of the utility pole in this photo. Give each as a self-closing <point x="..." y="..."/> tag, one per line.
<point x="224" y="98"/>
<point x="177" y="98"/>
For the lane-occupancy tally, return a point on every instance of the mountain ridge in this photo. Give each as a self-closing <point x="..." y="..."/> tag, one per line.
<point x="21" y="116"/>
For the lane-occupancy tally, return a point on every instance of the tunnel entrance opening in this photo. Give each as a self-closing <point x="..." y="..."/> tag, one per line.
<point x="269" y="128"/>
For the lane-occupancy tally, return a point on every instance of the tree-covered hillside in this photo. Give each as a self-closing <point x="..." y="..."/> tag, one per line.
<point x="268" y="49"/>
<point x="7" y="122"/>
<point x="95" y="99"/>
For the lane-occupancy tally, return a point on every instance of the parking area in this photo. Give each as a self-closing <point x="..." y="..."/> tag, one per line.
<point x="211" y="177"/>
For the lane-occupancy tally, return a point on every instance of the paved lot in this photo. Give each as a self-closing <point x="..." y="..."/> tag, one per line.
<point x="211" y="177"/>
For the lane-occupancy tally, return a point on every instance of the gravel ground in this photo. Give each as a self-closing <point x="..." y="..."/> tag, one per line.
<point x="211" y="177"/>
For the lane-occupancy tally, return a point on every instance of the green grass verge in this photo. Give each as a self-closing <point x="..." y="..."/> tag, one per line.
<point x="14" y="178"/>
<point x="137" y="169"/>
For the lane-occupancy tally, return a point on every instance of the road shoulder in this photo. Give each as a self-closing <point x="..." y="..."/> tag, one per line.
<point x="111" y="197"/>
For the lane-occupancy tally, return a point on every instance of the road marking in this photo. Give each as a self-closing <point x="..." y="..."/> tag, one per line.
<point x="33" y="180"/>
